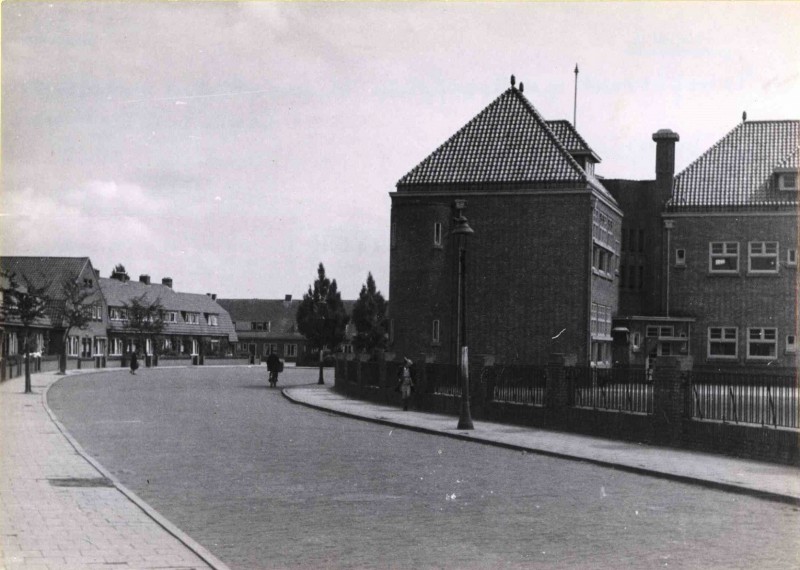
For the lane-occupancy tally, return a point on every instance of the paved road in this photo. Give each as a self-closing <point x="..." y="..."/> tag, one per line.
<point x="263" y="483"/>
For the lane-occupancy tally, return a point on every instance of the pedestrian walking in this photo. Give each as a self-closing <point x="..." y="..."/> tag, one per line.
<point x="274" y="366"/>
<point x="405" y="381"/>
<point x="134" y="362"/>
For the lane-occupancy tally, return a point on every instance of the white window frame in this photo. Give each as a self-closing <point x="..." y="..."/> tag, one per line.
<point x="791" y="257"/>
<point x="437" y="234"/>
<point x="73" y="345"/>
<point x="726" y="335"/>
<point x="791" y="344"/>
<point x="760" y="250"/>
<point x="99" y="346"/>
<point x="764" y="334"/>
<point x="436" y="332"/>
<point x="115" y="347"/>
<point x="290" y="350"/>
<point x="212" y="320"/>
<point x="680" y="257"/>
<point x="729" y="250"/>
<point x="195" y="347"/>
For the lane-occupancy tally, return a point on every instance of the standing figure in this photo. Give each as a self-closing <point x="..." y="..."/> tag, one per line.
<point x="134" y="362"/>
<point x="273" y="367"/>
<point x="405" y="381"/>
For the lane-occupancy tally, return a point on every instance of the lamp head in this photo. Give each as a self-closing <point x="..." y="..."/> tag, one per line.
<point x="462" y="227"/>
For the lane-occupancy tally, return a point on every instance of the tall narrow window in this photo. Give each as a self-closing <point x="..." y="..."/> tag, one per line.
<point x="437" y="234"/>
<point x="791" y="343"/>
<point x="680" y="258"/>
<point x="435" y="338"/>
<point x="791" y="257"/>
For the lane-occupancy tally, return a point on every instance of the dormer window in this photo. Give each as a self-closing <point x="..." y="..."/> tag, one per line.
<point x="787" y="181"/>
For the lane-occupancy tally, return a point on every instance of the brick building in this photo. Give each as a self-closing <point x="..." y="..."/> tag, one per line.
<point x="542" y="263"/>
<point x="48" y="335"/>
<point x="195" y="325"/>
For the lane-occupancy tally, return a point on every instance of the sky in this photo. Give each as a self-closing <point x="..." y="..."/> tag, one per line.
<point x="235" y="146"/>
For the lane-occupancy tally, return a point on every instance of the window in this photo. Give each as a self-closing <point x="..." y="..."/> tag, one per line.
<point x="791" y="343"/>
<point x="791" y="257"/>
<point x="435" y="332"/>
<point x="270" y="348"/>
<point x="99" y="346"/>
<point x="193" y="319"/>
<point x="73" y="346"/>
<point x="116" y="347"/>
<point x="636" y="340"/>
<point x="680" y="258"/>
<point x="762" y="343"/>
<point x="723" y="257"/>
<point x="290" y="350"/>
<point x="97" y="312"/>
<point x="347" y="348"/>
<point x="763" y="257"/>
<point x="212" y="320"/>
<point x="723" y="342"/>
<point x="437" y="234"/>
<point x="115" y="313"/>
<point x="603" y="228"/>
<point x="173" y="317"/>
<point x="652" y="331"/>
<point x="787" y="181"/>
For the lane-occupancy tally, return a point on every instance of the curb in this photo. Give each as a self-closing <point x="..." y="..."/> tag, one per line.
<point x="686" y="479"/>
<point x="159" y="519"/>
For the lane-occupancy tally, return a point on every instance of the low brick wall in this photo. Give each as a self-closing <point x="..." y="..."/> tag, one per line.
<point x="667" y="425"/>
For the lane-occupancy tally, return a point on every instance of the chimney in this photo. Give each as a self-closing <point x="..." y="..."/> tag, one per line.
<point x="167" y="281"/>
<point x="665" y="162"/>
<point x="287" y="300"/>
<point x="144" y="279"/>
<point x="212" y="295"/>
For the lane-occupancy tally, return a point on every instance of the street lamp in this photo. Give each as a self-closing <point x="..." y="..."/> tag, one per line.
<point x="462" y="230"/>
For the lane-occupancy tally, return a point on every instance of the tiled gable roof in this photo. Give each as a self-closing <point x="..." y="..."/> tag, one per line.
<point x="506" y="142"/>
<point x="570" y="138"/>
<point x="738" y="171"/>
<point x="119" y="293"/>
<point x="41" y="271"/>
<point x="279" y="313"/>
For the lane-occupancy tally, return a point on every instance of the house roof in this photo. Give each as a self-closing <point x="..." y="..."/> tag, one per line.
<point x="45" y="271"/>
<point x="738" y="171"/>
<point x="507" y="142"/>
<point x="120" y="293"/>
<point x="571" y="138"/>
<point x="281" y="315"/>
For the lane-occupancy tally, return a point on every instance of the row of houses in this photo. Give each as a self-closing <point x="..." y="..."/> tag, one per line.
<point x="195" y="326"/>
<point x="701" y="265"/>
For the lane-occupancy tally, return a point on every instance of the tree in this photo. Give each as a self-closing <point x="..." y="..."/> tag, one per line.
<point x="144" y="320"/>
<point x="321" y="316"/>
<point x="75" y="312"/>
<point x="27" y="304"/>
<point x="369" y="317"/>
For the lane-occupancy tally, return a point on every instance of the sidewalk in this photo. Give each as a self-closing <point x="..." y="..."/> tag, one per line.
<point x="763" y="480"/>
<point x="59" y="509"/>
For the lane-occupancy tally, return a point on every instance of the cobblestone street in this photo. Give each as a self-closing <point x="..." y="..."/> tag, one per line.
<point x="264" y="483"/>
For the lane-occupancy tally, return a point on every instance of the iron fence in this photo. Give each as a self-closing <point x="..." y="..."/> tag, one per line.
<point x="443" y="379"/>
<point x="764" y="399"/>
<point x="519" y="384"/>
<point x="620" y="389"/>
<point x="370" y="374"/>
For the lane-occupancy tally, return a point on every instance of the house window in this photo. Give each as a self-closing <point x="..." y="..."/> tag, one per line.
<point x="290" y="350"/>
<point x="73" y="345"/>
<point x="212" y="320"/>
<point x="636" y="340"/>
<point x="99" y="346"/>
<point x="763" y="257"/>
<point x="115" y="314"/>
<point x="435" y="339"/>
<point x="723" y="342"/>
<point x="651" y="332"/>
<point x="791" y="343"/>
<point x="348" y="348"/>
<point x="680" y="258"/>
<point x="787" y="181"/>
<point x="195" y="347"/>
<point x="97" y="312"/>
<point x="437" y="234"/>
<point x="762" y="343"/>
<point x="723" y="257"/>
<point x="791" y="257"/>
<point x="116" y="347"/>
<point x="270" y="348"/>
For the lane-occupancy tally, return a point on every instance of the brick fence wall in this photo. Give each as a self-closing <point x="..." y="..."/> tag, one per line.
<point x="669" y="423"/>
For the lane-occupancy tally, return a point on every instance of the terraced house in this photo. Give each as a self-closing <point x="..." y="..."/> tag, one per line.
<point x="195" y="325"/>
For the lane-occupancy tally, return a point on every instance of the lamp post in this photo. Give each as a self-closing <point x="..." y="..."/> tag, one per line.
<point x="323" y="320"/>
<point x="462" y="230"/>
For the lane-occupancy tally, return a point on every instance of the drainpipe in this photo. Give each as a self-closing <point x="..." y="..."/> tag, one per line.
<point x="668" y="225"/>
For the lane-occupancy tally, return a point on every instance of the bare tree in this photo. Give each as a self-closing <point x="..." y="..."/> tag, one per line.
<point x="76" y="313"/>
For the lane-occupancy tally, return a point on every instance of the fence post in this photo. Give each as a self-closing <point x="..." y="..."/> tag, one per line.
<point x="668" y="400"/>
<point x="556" y="388"/>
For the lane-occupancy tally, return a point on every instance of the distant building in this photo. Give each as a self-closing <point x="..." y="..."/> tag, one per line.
<point x="270" y="325"/>
<point x="52" y="272"/>
<point x="194" y="324"/>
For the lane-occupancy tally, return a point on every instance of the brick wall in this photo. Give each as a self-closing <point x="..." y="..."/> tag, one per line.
<point x="527" y="275"/>
<point x="742" y="300"/>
